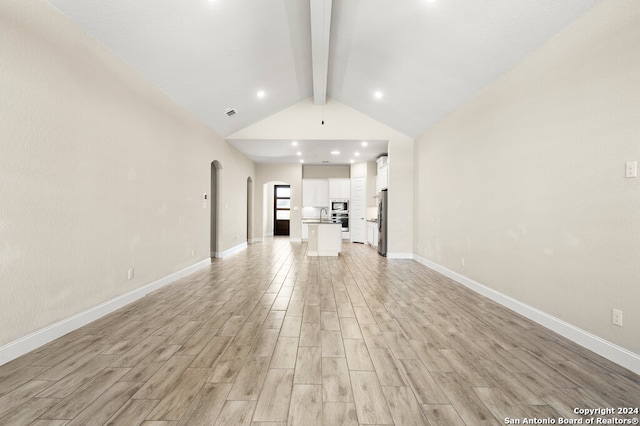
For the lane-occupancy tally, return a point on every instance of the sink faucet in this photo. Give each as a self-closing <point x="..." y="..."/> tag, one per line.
<point x="325" y="210"/>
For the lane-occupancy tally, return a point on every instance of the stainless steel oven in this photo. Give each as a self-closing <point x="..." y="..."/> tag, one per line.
<point x="343" y="218"/>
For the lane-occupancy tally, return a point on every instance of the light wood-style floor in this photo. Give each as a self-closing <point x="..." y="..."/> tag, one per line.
<point x="269" y="336"/>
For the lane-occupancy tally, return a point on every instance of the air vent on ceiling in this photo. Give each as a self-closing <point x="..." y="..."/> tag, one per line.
<point x="325" y="161"/>
<point x="230" y="112"/>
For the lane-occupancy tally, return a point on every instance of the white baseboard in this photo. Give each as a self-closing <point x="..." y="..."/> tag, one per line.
<point x="45" y="335"/>
<point x="399" y="255"/>
<point x="611" y="351"/>
<point x="232" y="250"/>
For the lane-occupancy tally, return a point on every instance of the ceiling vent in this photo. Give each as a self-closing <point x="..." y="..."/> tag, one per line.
<point x="230" y="112"/>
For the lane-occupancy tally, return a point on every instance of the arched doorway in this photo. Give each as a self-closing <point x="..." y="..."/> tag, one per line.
<point x="269" y="207"/>
<point x="215" y="185"/>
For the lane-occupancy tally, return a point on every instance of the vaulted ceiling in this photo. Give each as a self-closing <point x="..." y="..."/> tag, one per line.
<point x="404" y="63"/>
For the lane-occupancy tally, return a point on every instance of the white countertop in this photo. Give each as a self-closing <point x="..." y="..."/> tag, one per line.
<point x="319" y="222"/>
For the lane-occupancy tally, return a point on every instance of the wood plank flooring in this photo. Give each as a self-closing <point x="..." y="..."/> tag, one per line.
<point x="269" y="336"/>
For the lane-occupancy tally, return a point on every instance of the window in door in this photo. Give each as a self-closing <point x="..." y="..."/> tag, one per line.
<point x="281" y="209"/>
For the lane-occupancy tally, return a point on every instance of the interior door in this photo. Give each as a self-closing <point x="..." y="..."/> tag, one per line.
<point x="281" y="209"/>
<point x="358" y="212"/>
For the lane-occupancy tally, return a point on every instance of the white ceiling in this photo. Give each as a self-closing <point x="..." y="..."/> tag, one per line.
<point x="426" y="57"/>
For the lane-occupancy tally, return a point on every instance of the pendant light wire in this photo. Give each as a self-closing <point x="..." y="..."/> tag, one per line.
<point x="326" y="65"/>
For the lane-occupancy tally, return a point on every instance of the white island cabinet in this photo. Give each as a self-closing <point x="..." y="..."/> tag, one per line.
<point x="325" y="239"/>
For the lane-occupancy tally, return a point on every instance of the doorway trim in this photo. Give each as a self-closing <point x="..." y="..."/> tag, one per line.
<point x="250" y="237"/>
<point x="277" y="209"/>
<point x="214" y="235"/>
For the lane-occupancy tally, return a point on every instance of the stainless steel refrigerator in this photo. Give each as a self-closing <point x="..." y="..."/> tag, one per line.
<point x="382" y="222"/>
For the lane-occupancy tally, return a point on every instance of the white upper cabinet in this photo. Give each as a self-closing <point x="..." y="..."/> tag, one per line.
<point x="339" y="189"/>
<point x="315" y="193"/>
<point x="383" y="173"/>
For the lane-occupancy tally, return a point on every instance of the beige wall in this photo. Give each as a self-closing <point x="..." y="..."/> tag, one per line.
<point x="328" y="172"/>
<point x="525" y="184"/>
<point x="99" y="172"/>
<point x="302" y="121"/>
<point x="233" y="206"/>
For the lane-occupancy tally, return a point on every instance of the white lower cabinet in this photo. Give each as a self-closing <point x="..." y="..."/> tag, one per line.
<point x="372" y="234"/>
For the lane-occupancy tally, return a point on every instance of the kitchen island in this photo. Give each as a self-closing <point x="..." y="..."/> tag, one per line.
<point x="325" y="238"/>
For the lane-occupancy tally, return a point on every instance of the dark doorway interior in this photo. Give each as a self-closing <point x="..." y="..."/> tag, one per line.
<point x="281" y="209"/>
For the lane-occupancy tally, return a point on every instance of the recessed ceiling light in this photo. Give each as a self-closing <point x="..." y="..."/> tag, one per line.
<point x="357" y="154"/>
<point x="377" y="94"/>
<point x="294" y="143"/>
<point x="364" y="143"/>
<point x="302" y="161"/>
<point x="298" y="153"/>
<point x="352" y="161"/>
<point x="260" y="93"/>
<point x="335" y="152"/>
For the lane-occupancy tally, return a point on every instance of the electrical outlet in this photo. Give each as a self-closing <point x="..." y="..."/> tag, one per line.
<point x="616" y="317"/>
<point x="193" y="252"/>
<point x="631" y="169"/>
<point x="130" y="274"/>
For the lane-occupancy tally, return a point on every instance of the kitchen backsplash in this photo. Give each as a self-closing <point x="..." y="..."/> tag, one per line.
<point x="311" y="213"/>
